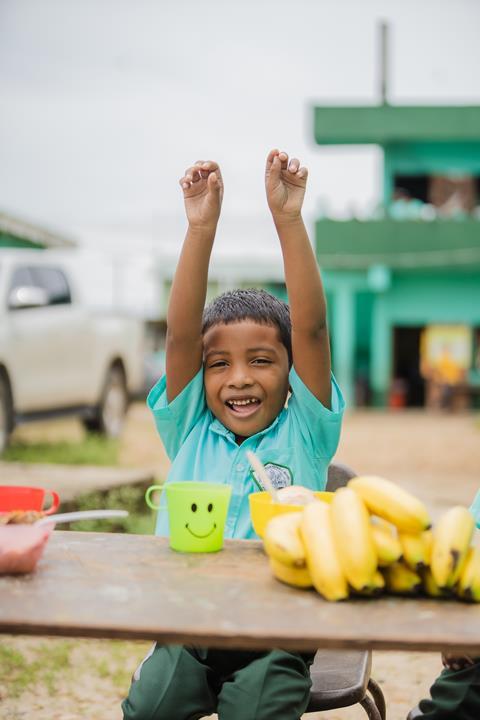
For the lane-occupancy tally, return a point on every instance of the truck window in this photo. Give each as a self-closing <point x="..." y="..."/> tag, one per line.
<point x="54" y="282"/>
<point x="21" y="277"/>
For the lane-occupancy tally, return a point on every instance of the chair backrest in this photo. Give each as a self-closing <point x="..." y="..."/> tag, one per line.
<point x="338" y="476"/>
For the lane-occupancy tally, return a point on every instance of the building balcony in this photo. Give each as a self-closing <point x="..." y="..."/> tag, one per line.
<point x="398" y="244"/>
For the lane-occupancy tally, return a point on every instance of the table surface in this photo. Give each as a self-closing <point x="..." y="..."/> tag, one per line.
<point x="108" y="585"/>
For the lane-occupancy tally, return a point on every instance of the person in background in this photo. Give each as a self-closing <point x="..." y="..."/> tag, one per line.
<point x="455" y="694"/>
<point x="405" y="207"/>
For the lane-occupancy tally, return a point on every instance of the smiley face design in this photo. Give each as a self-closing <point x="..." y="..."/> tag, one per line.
<point x="200" y="524"/>
<point x="197" y="512"/>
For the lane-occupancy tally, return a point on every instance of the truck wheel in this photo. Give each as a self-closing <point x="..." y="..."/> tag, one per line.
<point x="110" y="414"/>
<point x="5" y="413"/>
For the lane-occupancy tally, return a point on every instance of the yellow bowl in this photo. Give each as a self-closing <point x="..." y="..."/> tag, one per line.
<point x="263" y="509"/>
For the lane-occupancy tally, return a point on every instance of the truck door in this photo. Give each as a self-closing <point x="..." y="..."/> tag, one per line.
<point x="46" y="348"/>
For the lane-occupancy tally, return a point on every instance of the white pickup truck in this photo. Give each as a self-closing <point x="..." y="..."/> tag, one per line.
<point x="57" y="355"/>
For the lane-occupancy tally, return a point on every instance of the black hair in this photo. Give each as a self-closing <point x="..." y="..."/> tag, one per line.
<point x="251" y="304"/>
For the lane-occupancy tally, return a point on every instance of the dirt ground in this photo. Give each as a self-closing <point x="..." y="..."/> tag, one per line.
<point x="436" y="456"/>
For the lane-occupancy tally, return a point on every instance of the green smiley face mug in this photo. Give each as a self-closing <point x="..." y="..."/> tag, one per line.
<point x="197" y="512"/>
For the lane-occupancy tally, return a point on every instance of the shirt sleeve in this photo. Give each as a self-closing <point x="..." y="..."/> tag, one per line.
<point x="319" y="426"/>
<point x="176" y="420"/>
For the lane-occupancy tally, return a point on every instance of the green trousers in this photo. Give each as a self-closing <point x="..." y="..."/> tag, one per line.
<point x="185" y="683"/>
<point x="455" y="695"/>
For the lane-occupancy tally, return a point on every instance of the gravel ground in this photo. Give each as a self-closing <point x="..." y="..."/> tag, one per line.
<point x="437" y="456"/>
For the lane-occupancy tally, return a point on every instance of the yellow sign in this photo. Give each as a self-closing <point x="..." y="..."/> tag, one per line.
<point x="446" y="352"/>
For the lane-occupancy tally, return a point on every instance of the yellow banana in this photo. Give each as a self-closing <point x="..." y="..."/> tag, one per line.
<point x="391" y="502"/>
<point x="376" y="586"/>
<point x="416" y="549"/>
<point x="451" y="540"/>
<point x="386" y="542"/>
<point x="428" y="540"/>
<point x="399" y="579"/>
<point x="282" y="540"/>
<point x="430" y="586"/>
<point x="468" y="586"/>
<point x="322" y="559"/>
<point x="298" y="577"/>
<point x="353" y="538"/>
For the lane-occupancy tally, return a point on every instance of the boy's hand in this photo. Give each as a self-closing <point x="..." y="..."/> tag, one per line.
<point x="202" y="187"/>
<point x="285" y="183"/>
<point x="458" y="662"/>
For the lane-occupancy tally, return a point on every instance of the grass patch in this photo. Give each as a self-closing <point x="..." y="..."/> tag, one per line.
<point x="48" y="662"/>
<point x="140" y="521"/>
<point x="57" y="665"/>
<point x="93" y="450"/>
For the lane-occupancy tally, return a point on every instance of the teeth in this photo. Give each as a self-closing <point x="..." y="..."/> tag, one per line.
<point x="242" y="402"/>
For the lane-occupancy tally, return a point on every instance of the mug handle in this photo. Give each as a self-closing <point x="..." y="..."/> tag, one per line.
<point x="55" y="502"/>
<point x="149" y="491"/>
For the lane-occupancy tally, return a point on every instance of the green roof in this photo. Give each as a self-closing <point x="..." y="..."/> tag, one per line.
<point x="402" y="244"/>
<point x="382" y="124"/>
<point x="15" y="232"/>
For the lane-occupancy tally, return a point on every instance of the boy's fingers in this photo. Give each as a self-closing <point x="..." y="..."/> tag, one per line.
<point x="275" y="168"/>
<point x="271" y="155"/>
<point x="209" y="165"/>
<point x="202" y="172"/>
<point x="192" y="174"/>
<point x="293" y="165"/>
<point x="302" y="173"/>
<point x="213" y="182"/>
<point x="283" y="157"/>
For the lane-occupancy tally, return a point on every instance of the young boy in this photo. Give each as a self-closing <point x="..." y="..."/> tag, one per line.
<point x="229" y="372"/>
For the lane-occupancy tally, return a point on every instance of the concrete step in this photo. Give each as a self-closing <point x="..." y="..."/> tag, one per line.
<point x="71" y="481"/>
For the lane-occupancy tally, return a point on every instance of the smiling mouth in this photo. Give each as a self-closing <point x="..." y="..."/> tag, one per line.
<point x="201" y="537"/>
<point x="244" y="407"/>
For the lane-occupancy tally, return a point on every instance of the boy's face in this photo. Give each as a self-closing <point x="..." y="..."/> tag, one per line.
<point x="245" y="376"/>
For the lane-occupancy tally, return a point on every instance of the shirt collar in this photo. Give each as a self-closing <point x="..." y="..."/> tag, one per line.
<point x="219" y="429"/>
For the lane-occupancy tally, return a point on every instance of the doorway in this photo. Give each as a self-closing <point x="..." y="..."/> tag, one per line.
<point x="406" y="363"/>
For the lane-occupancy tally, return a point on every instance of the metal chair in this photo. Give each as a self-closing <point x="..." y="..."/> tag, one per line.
<point x="341" y="678"/>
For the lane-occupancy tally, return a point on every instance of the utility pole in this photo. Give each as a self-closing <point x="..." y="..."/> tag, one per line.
<point x="384" y="69"/>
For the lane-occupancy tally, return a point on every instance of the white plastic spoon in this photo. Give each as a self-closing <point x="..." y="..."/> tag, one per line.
<point x="257" y="465"/>
<point x="82" y="515"/>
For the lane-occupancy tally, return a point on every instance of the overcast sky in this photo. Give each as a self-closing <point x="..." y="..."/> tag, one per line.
<point x="104" y="103"/>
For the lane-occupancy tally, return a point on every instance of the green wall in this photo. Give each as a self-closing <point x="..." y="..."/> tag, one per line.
<point x="419" y="299"/>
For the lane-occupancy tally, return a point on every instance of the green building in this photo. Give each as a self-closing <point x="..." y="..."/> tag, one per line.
<point x="416" y="263"/>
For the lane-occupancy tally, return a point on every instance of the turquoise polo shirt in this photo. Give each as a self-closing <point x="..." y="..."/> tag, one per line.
<point x="295" y="449"/>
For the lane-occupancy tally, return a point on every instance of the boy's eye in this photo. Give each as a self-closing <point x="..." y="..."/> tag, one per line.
<point x="218" y="363"/>
<point x="261" y="361"/>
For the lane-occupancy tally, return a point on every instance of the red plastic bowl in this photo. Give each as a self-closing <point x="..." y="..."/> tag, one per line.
<point x="24" y="497"/>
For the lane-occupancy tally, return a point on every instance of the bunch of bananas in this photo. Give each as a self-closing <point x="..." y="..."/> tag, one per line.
<point x="374" y="536"/>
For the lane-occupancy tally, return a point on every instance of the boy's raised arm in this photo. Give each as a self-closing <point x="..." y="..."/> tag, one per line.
<point x="285" y="183"/>
<point x="202" y="187"/>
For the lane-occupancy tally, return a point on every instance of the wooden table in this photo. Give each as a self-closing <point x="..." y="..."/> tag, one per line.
<point x="107" y="585"/>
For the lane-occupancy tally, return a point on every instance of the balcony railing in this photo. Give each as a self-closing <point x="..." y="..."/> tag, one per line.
<point x="403" y="244"/>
